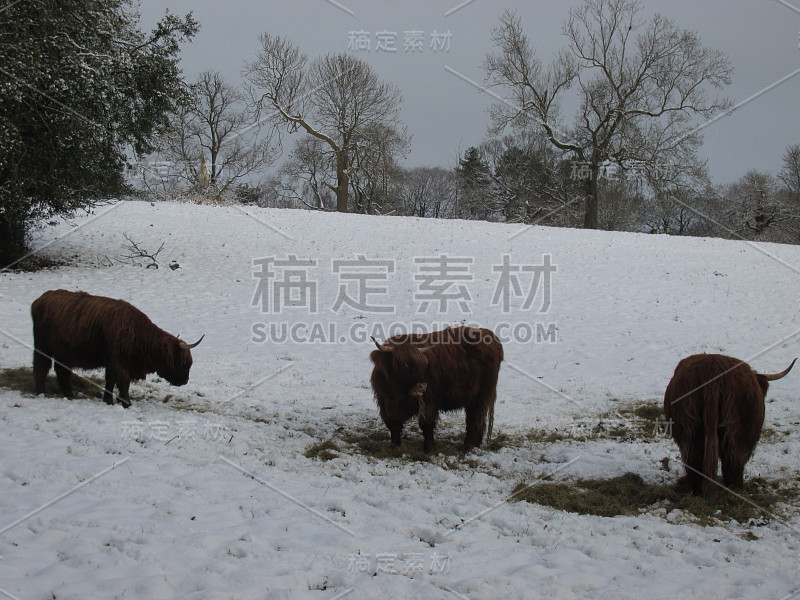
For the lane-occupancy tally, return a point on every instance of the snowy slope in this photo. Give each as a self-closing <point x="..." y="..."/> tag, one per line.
<point x="211" y="495"/>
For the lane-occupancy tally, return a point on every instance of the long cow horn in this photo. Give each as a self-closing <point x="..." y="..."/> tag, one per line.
<point x="384" y="348"/>
<point x="775" y="376"/>
<point x="197" y="342"/>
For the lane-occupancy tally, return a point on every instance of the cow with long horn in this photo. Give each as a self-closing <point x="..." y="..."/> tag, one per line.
<point x="421" y="374"/>
<point x="76" y="329"/>
<point x="714" y="405"/>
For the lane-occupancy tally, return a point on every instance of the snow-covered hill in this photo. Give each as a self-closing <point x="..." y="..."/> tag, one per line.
<point x="211" y="494"/>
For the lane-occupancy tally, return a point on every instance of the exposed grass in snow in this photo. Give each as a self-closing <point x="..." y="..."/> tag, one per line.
<point x="20" y="379"/>
<point x="326" y="450"/>
<point x="86" y="384"/>
<point x="375" y="444"/>
<point x="761" y="500"/>
<point x="630" y="422"/>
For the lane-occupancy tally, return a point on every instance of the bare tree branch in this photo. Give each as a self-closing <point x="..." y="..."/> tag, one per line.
<point x="337" y="99"/>
<point x="640" y="84"/>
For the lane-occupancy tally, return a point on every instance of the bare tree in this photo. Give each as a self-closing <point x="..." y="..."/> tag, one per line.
<point x="676" y="211"/>
<point x="215" y="140"/>
<point x="377" y="167"/>
<point x="302" y="178"/>
<point x="426" y="192"/>
<point x="519" y="178"/>
<point x="337" y="99"/>
<point x="754" y="207"/>
<point x="640" y="85"/>
<point x="789" y="175"/>
<point x="530" y="180"/>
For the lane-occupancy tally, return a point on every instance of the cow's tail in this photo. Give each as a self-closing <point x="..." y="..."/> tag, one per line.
<point x="711" y="403"/>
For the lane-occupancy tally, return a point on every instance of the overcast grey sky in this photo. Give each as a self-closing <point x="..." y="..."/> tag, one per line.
<point x="445" y="114"/>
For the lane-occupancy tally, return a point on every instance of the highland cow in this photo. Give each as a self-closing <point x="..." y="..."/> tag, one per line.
<point x="76" y="329"/>
<point x="715" y="407"/>
<point x="421" y="374"/>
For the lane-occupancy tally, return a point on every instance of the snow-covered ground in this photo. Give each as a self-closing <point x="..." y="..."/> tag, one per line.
<point x="210" y="495"/>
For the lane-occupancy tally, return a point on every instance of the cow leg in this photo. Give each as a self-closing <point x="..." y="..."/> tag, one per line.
<point x="427" y="423"/>
<point x="733" y="460"/>
<point x="736" y="448"/>
<point x="427" y="433"/>
<point x="693" y="459"/>
<point x="41" y="367"/>
<point x="123" y="383"/>
<point x="476" y="425"/>
<point x="733" y="473"/>
<point x="64" y="376"/>
<point x="691" y="443"/>
<point x="397" y="434"/>
<point x="111" y="381"/>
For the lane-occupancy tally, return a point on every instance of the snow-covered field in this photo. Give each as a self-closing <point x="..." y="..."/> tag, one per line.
<point x="210" y="495"/>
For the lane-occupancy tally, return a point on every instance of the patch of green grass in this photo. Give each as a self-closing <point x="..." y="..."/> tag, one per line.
<point x="543" y="436"/>
<point x="773" y="436"/>
<point x="88" y="385"/>
<point x="499" y="441"/>
<point x="21" y="380"/>
<point x="649" y="412"/>
<point x="376" y="443"/>
<point x="622" y="495"/>
<point x="641" y="422"/>
<point x="324" y="451"/>
<point x="629" y="494"/>
<point x="644" y="421"/>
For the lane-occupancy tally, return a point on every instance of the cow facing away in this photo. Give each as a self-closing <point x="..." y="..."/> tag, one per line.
<point x="76" y="329"/>
<point x="421" y="374"/>
<point x="715" y="405"/>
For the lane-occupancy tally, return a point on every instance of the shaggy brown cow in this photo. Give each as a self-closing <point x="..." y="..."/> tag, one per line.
<point x="421" y="374"/>
<point x="76" y="329"/>
<point x="715" y="405"/>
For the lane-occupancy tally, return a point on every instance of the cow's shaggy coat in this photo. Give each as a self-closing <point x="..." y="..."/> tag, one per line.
<point x="421" y="374"/>
<point x="76" y="329"/>
<point x="714" y="405"/>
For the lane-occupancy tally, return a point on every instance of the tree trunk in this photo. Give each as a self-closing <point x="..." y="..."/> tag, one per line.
<point x="590" y="217"/>
<point x="342" y="182"/>
<point x="12" y="239"/>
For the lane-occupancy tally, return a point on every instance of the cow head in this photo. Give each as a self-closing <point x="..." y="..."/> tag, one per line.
<point x="177" y="360"/>
<point x="400" y="380"/>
